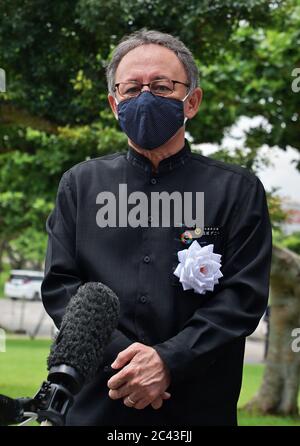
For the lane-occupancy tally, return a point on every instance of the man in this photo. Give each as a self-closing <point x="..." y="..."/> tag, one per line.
<point x="176" y="356"/>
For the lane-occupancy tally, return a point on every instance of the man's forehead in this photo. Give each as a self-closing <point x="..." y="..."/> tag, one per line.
<point x="152" y="61"/>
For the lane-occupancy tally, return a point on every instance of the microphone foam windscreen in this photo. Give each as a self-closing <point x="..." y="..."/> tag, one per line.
<point x="89" y="320"/>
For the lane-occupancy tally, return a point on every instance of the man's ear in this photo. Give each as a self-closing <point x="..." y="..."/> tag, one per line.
<point x="113" y="105"/>
<point x="192" y="103"/>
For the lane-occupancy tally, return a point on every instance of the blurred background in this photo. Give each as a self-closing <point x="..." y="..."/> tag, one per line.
<point x="54" y="114"/>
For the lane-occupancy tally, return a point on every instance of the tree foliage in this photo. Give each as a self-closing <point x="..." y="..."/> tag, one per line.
<point x="55" y="112"/>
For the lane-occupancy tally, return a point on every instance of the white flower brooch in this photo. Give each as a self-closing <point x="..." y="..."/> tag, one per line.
<point x="198" y="268"/>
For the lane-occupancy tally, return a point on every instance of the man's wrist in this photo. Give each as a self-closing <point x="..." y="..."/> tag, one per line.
<point x="165" y="367"/>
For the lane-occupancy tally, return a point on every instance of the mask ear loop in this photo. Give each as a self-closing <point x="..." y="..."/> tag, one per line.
<point x="117" y="103"/>
<point x="185" y="118"/>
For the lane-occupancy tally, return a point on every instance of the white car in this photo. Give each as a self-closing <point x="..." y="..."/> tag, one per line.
<point x="24" y="284"/>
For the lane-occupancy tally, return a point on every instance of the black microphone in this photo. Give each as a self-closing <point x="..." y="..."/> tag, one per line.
<point x="77" y="353"/>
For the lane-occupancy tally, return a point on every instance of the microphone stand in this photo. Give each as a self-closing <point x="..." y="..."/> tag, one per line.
<point x="55" y="397"/>
<point x="49" y="406"/>
<point x="30" y="416"/>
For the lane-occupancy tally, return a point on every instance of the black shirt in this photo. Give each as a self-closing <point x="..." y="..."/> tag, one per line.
<point x="199" y="336"/>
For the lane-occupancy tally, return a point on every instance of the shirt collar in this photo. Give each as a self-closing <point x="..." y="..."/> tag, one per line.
<point x="167" y="164"/>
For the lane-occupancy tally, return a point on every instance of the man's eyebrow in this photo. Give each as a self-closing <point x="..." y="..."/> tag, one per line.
<point x="161" y="77"/>
<point x="155" y="78"/>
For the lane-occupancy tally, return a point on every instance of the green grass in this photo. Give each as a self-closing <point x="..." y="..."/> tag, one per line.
<point x="251" y="381"/>
<point x="252" y="378"/>
<point x="23" y="368"/>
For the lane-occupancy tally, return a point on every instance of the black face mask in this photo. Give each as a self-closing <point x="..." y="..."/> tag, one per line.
<point x="150" y="120"/>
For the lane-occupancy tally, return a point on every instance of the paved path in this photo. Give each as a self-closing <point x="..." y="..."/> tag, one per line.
<point x="254" y="353"/>
<point x="17" y="315"/>
<point x="31" y="317"/>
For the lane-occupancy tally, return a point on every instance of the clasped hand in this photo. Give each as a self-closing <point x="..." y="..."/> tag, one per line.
<point x="143" y="377"/>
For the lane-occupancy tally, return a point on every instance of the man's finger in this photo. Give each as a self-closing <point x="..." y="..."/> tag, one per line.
<point x="128" y="403"/>
<point x="141" y="404"/>
<point x="119" y="379"/>
<point x="156" y="404"/>
<point x="120" y="392"/>
<point x="126" y="355"/>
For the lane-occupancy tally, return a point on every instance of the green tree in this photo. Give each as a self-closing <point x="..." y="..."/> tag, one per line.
<point x="55" y="111"/>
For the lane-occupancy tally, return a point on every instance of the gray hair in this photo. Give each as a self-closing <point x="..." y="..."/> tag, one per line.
<point x="144" y="37"/>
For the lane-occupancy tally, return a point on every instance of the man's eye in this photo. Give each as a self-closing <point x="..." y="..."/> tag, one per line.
<point x="161" y="88"/>
<point x="132" y="90"/>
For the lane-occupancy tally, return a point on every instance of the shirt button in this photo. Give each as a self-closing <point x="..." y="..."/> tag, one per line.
<point x="153" y="180"/>
<point x="106" y="368"/>
<point x="146" y="259"/>
<point x="143" y="299"/>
